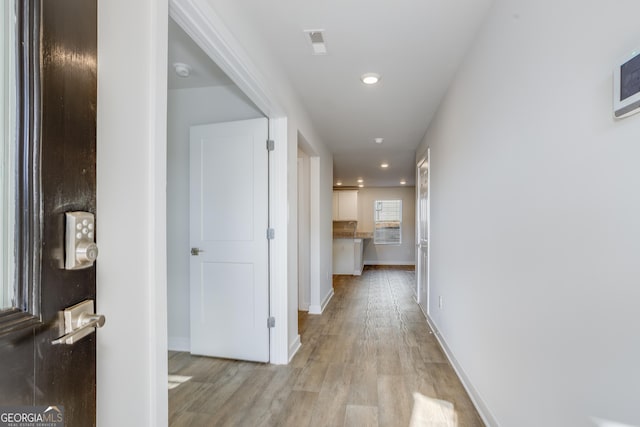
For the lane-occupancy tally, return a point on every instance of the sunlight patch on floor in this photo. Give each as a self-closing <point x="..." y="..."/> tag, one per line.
<point x="428" y="412"/>
<point x="176" y="380"/>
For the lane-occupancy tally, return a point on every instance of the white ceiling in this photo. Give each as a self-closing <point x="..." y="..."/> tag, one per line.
<point x="415" y="45"/>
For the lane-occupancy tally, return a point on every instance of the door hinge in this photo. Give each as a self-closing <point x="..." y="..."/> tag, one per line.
<point x="271" y="145"/>
<point x="271" y="322"/>
<point x="271" y="233"/>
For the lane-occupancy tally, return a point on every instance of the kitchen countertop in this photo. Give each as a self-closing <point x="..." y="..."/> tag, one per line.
<point x="351" y="235"/>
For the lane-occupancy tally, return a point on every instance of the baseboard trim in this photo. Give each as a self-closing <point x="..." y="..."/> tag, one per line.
<point x="327" y="299"/>
<point x="318" y="309"/>
<point x="486" y="415"/>
<point x="179" y="344"/>
<point x="315" y="309"/>
<point x="371" y="262"/>
<point x="294" y="347"/>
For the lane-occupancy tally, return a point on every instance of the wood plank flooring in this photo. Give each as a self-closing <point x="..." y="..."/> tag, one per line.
<point x="359" y="365"/>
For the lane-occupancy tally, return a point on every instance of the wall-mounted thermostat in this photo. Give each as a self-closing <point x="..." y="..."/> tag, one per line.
<point x="626" y="87"/>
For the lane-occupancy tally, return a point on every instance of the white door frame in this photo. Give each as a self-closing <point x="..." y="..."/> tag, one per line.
<point x="425" y="158"/>
<point x="204" y="26"/>
<point x="314" y="187"/>
<point x="304" y="276"/>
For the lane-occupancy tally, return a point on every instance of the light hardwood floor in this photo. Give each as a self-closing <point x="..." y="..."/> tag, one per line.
<point x="359" y="364"/>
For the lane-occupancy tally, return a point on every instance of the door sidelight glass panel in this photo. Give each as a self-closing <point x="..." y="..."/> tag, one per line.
<point x="21" y="210"/>
<point x="7" y="152"/>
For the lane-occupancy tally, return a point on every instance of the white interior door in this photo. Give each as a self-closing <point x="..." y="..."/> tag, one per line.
<point x="228" y="227"/>
<point x="423" y="234"/>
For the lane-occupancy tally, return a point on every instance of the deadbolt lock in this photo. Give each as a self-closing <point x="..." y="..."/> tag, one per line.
<point x="80" y="247"/>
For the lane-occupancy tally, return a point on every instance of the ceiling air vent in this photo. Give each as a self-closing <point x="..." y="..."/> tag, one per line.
<point x="317" y="41"/>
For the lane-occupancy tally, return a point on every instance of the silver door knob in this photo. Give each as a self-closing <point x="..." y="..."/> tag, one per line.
<point x="196" y="251"/>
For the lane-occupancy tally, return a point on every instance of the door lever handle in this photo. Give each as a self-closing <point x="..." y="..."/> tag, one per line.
<point x="79" y="321"/>
<point x="88" y="322"/>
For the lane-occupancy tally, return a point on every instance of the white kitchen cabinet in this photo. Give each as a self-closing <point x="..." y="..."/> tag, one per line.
<point x="358" y="256"/>
<point x="347" y="256"/>
<point x="343" y="256"/>
<point x="345" y="205"/>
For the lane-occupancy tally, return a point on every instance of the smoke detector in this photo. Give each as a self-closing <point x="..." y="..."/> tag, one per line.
<point x="182" y="70"/>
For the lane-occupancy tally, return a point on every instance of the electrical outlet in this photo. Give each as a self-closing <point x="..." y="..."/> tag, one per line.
<point x="440" y="301"/>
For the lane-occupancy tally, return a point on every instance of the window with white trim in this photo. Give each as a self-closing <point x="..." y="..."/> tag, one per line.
<point x="387" y="219"/>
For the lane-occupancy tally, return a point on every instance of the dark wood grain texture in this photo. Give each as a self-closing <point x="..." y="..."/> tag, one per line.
<point x="60" y="374"/>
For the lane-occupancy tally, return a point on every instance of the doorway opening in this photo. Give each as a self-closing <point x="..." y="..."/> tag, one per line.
<point x="308" y="209"/>
<point x="304" y="276"/>
<point x="242" y="89"/>
<point x="207" y="96"/>
<point x="423" y="218"/>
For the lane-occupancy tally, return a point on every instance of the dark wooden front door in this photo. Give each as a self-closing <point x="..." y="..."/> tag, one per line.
<point x="61" y="108"/>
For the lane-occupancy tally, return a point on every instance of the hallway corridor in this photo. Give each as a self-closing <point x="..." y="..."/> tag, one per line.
<point x="359" y="364"/>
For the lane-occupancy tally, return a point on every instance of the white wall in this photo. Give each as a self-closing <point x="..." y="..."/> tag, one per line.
<point x="185" y="108"/>
<point x="404" y="254"/>
<point x="234" y="15"/>
<point x="535" y="206"/>
<point x="130" y="220"/>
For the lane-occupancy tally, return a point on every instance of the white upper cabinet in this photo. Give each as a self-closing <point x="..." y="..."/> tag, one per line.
<point x="345" y="205"/>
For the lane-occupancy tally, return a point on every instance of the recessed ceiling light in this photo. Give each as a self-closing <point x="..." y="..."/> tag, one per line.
<point x="360" y="180"/>
<point x="370" y="78"/>
<point x="360" y="185"/>
<point x="384" y="165"/>
<point x="403" y="182"/>
<point x="339" y="183"/>
<point x="379" y="140"/>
